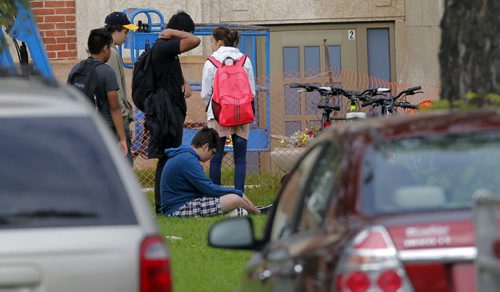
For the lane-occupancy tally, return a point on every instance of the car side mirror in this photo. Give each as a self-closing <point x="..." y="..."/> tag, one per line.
<point x="233" y="233"/>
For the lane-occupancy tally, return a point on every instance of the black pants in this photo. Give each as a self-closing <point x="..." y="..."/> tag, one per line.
<point x="159" y="169"/>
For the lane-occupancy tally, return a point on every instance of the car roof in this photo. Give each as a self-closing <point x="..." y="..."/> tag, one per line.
<point x="20" y="96"/>
<point x="432" y="121"/>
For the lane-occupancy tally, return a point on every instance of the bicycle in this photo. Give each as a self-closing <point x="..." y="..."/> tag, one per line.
<point x="389" y="103"/>
<point x="327" y="93"/>
<point x="356" y="97"/>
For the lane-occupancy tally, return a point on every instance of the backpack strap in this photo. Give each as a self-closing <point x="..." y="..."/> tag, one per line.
<point x="241" y="61"/>
<point x="214" y="62"/>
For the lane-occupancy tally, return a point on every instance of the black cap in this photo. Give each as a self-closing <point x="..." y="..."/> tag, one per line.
<point x="119" y="19"/>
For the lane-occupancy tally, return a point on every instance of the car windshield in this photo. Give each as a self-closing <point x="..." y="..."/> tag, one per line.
<point x="57" y="172"/>
<point x="435" y="172"/>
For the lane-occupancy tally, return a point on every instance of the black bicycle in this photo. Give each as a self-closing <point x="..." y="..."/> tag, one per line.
<point x="325" y="104"/>
<point x="389" y="104"/>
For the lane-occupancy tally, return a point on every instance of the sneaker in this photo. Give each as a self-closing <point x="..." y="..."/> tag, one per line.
<point x="237" y="212"/>
<point x="264" y="209"/>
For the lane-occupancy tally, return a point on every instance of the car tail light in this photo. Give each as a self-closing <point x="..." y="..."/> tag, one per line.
<point x="154" y="265"/>
<point x="370" y="263"/>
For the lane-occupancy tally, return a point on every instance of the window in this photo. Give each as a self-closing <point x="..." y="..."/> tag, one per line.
<point x="320" y="189"/>
<point x="285" y="217"/>
<point x="58" y="172"/>
<point x="291" y="61"/>
<point x="435" y="172"/>
<point x="379" y="58"/>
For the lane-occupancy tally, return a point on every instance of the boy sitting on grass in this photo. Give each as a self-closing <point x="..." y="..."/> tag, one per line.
<point x="185" y="189"/>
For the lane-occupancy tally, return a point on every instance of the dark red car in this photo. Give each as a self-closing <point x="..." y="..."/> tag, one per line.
<point x="376" y="205"/>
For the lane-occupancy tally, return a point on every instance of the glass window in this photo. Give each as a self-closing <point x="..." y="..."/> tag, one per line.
<point x="291" y="62"/>
<point x="292" y="101"/>
<point x="312" y="101"/>
<point x="287" y="207"/>
<point x="319" y="189"/>
<point x="58" y="172"/>
<point x="311" y="60"/>
<point x="335" y="59"/>
<point x="379" y="59"/>
<point x="437" y="172"/>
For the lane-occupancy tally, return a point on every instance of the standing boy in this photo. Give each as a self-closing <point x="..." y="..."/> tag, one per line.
<point x="118" y="24"/>
<point x="185" y="189"/>
<point x="99" y="46"/>
<point x="169" y="103"/>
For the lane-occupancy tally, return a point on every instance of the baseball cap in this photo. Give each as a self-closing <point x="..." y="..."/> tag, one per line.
<point x="120" y="19"/>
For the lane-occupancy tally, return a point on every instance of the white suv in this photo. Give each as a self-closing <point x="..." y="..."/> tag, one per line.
<point x="72" y="217"/>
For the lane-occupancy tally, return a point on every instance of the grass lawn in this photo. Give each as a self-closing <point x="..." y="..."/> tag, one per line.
<point x="197" y="267"/>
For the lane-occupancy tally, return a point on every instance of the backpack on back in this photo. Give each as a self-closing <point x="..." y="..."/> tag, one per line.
<point x="143" y="84"/>
<point x="232" y="98"/>
<point x="84" y="78"/>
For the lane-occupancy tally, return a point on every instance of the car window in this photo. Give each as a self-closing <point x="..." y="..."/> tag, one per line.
<point x="319" y="189"/>
<point x="437" y="172"/>
<point x="286" y="210"/>
<point x="57" y="172"/>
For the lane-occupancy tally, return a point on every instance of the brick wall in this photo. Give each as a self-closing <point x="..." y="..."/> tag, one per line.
<point x="57" y="25"/>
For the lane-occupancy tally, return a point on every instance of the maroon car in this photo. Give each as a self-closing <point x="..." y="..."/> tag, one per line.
<point x="376" y="205"/>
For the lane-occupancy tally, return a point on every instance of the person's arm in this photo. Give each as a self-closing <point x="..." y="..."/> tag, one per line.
<point x="249" y="69"/>
<point x="188" y="40"/>
<point x="250" y="206"/>
<point x="116" y="116"/>
<point x="207" y="81"/>
<point x="203" y="184"/>
<point x="114" y="63"/>
<point x="186" y="89"/>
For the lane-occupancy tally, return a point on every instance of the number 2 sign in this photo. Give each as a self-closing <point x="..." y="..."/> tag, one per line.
<point x="351" y="34"/>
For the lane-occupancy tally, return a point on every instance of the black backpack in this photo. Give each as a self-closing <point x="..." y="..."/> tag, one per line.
<point x="84" y="78"/>
<point x="143" y="79"/>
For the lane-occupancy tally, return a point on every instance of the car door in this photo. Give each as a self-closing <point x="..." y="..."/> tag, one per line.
<point x="295" y="227"/>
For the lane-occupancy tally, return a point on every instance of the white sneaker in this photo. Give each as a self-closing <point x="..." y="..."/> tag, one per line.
<point x="237" y="212"/>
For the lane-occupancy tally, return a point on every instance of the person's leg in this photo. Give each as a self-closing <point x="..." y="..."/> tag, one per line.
<point x="216" y="162"/>
<point x="199" y="207"/>
<point x="159" y="169"/>
<point x="128" y="137"/>
<point x="240" y="162"/>
<point x="230" y="202"/>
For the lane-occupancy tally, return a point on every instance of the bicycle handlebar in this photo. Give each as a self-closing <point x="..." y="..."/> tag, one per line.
<point x="325" y="90"/>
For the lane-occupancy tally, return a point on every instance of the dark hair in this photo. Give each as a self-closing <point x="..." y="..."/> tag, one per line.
<point x="181" y="21"/>
<point x="205" y="135"/>
<point x="230" y="37"/>
<point x="98" y="39"/>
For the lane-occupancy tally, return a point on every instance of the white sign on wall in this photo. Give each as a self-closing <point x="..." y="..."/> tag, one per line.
<point x="351" y="34"/>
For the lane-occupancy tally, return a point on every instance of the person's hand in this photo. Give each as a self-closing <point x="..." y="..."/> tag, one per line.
<point x="123" y="147"/>
<point x="167" y="33"/>
<point x="251" y="206"/>
<point x="186" y="89"/>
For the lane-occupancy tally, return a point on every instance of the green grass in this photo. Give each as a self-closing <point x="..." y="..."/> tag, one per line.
<point x="197" y="267"/>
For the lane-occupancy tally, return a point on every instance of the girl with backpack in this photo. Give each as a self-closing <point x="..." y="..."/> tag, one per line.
<point x="224" y="42"/>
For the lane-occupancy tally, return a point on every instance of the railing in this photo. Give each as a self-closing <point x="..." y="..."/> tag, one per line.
<point x="486" y="217"/>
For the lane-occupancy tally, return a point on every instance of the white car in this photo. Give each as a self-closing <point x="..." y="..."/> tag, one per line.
<point x="72" y="217"/>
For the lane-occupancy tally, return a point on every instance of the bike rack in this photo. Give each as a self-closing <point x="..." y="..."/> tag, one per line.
<point x="259" y="139"/>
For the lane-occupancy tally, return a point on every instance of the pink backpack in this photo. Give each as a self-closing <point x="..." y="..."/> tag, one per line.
<point x="232" y="98"/>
